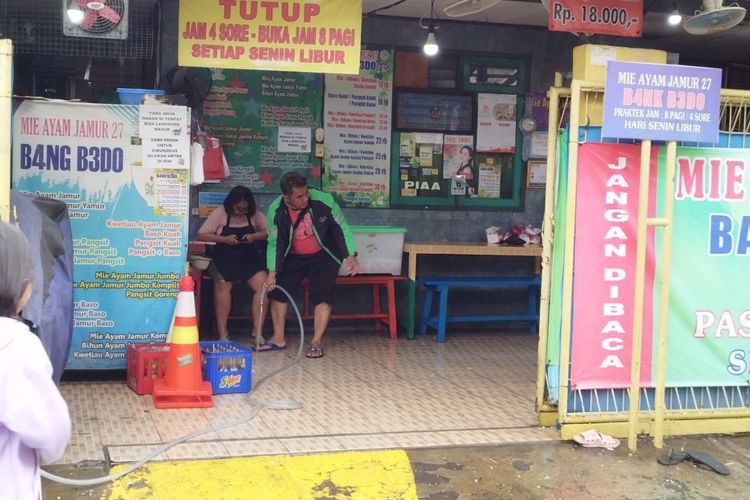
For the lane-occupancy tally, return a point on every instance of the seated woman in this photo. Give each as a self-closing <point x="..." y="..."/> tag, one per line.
<point x="239" y="230"/>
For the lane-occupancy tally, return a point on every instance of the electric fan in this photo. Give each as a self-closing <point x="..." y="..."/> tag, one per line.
<point x="100" y="19"/>
<point x="714" y="18"/>
<point x="463" y="8"/>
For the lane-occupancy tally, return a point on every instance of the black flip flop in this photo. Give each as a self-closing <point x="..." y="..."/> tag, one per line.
<point x="701" y="459"/>
<point x="706" y="461"/>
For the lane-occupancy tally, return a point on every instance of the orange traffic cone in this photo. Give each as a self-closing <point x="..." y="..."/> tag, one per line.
<point x="182" y="385"/>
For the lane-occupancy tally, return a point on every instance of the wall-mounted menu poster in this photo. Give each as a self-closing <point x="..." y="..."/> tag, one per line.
<point x="245" y="110"/>
<point x="357" y="122"/>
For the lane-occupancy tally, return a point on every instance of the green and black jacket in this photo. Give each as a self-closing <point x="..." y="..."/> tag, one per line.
<point x="329" y="226"/>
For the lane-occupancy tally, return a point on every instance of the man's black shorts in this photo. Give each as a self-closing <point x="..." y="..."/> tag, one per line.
<point x="319" y="267"/>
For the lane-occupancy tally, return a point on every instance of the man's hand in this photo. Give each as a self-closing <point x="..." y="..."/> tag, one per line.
<point x="352" y="266"/>
<point x="270" y="282"/>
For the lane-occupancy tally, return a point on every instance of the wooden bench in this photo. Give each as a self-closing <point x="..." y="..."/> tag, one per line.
<point x="441" y="285"/>
<point x="375" y="281"/>
<point x="381" y="317"/>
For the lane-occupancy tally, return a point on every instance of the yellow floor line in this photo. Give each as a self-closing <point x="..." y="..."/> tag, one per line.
<point x="382" y="474"/>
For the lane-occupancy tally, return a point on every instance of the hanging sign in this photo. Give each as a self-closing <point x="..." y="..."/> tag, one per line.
<point x="320" y="36"/>
<point x="603" y="17"/>
<point x="708" y="316"/>
<point x="661" y="102"/>
<point x="604" y="268"/>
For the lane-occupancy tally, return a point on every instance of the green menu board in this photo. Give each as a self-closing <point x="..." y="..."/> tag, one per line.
<point x="265" y="121"/>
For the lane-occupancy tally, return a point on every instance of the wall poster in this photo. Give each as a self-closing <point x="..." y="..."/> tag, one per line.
<point x="129" y="222"/>
<point x="434" y="112"/>
<point x="357" y="154"/>
<point x="245" y="110"/>
<point x="496" y="123"/>
<point x="496" y="173"/>
<point x="489" y="179"/>
<point x="420" y="165"/>
<point x="458" y="164"/>
<point x="458" y="155"/>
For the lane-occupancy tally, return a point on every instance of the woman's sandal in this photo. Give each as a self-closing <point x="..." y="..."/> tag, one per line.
<point x="314" y="352"/>
<point x="594" y="439"/>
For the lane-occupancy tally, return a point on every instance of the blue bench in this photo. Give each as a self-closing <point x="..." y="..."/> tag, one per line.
<point x="441" y="285"/>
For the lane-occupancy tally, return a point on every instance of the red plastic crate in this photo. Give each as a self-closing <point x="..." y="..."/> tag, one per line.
<point x="146" y="364"/>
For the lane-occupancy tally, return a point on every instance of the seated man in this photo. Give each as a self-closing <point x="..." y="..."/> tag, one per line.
<point x="308" y="236"/>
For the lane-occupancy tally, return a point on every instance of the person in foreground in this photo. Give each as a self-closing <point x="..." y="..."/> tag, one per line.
<point x="238" y="228"/>
<point x="308" y="236"/>
<point x="34" y="419"/>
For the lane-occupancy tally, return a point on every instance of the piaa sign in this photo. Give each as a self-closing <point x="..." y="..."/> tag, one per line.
<point x="320" y="36"/>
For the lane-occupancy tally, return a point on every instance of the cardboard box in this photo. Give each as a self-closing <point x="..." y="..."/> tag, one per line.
<point x="590" y="61"/>
<point x="590" y="64"/>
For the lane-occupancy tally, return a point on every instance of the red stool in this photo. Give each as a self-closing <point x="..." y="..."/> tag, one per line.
<point x="375" y="280"/>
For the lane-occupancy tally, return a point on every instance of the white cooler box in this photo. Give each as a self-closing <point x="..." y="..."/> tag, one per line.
<point x="379" y="249"/>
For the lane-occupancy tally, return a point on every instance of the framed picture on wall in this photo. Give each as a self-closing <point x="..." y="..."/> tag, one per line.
<point x="536" y="173"/>
<point x="432" y="112"/>
<point x="496" y="75"/>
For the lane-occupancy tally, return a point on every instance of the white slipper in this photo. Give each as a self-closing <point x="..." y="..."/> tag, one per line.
<point x="594" y="439"/>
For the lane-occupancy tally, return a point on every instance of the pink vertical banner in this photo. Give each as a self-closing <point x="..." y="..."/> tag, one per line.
<point x="604" y="267"/>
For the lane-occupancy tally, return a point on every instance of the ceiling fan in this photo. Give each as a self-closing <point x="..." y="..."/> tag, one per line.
<point x="714" y="18"/>
<point x="463" y="8"/>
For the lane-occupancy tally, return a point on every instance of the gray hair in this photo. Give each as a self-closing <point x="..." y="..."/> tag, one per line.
<point x="15" y="268"/>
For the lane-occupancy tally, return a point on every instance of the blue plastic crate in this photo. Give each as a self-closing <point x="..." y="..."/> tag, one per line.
<point x="133" y="95"/>
<point x="227" y="365"/>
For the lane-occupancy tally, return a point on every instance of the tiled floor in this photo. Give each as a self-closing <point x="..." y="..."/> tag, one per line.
<point x="367" y="392"/>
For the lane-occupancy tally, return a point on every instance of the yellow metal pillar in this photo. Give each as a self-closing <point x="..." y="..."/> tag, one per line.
<point x="570" y="212"/>
<point x="547" y="235"/>
<point x="6" y="92"/>
<point x="640" y="270"/>
<point x="666" y="252"/>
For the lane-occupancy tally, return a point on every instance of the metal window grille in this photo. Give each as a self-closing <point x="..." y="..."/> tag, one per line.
<point x="36" y="27"/>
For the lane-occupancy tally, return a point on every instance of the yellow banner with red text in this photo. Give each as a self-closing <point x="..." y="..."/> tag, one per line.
<point x="314" y="36"/>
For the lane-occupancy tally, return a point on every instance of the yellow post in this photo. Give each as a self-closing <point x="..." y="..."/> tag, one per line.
<point x="6" y="93"/>
<point x="666" y="252"/>
<point x="547" y="233"/>
<point x="567" y="292"/>
<point x="640" y="271"/>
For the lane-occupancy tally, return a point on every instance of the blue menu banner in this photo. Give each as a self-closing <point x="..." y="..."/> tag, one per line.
<point x="661" y="102"/>
<point x="128" y="221"/>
